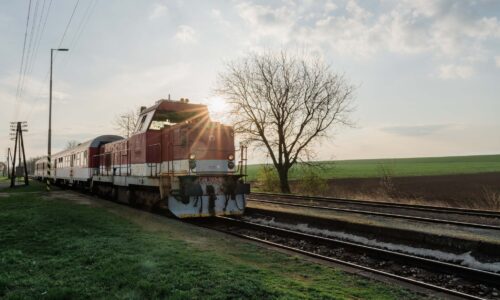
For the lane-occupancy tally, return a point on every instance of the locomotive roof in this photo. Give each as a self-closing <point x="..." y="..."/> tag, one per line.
<point x="174" y="106"/>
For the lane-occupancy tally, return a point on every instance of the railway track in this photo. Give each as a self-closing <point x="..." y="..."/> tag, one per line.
<point x="381" y="260"/>
<point x="427" y="273"/>
<point x="453" y="216"/>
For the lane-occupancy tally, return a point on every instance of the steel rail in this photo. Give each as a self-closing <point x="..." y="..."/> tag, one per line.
<point x="471" y="273"/>
<point x="399" y="216"/>
<point x="454" y="210"/>
<point x="336" y="260"/>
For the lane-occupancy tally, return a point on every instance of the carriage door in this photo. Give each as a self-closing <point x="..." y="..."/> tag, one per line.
<point x="71" y="162"/>
<point x="107" y="162"/>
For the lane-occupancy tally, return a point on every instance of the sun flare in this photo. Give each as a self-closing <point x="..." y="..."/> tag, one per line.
<point x="218" y="108"/>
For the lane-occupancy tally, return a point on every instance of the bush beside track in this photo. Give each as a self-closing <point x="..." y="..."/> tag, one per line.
<point x="52" y="248"/>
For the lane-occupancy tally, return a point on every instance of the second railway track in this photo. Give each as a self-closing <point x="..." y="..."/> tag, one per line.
<point x="460" y="217"/>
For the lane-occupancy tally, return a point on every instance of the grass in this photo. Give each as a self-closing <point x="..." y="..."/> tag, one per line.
<point x="54" y="249"/>
<point x="367" y="168"/>
<point x="34" y="186"/>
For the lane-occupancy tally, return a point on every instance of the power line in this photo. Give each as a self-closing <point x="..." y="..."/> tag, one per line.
<point x="30" y="42"/>
<point x="31" y="60"/>
<point x="63" y="36"/>
<point x="41" y="32"/>
<point x="38" y="39"/>
<point x="38" y="94"/>
<point x="69" y="23"/>
<point x="60" y="43"/>
<point x="32" y="45"/>
<point x="83" y="22"/>
<point x="24" y="49"/>
<point x="80" y="29"/>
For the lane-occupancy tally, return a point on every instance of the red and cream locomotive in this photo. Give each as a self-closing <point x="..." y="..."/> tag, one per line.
<point x="176" y="158"/>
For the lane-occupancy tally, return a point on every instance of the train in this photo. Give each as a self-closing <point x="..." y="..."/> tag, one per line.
<point x="176" y="159"/>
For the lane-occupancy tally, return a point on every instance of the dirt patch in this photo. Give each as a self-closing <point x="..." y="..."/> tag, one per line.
<point x="481" y="191"/>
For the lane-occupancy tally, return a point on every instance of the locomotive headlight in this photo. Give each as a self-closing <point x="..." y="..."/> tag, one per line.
<point x="230" y="164"/>
<point x="192" y="161"/>
<point x="230" y="157"/>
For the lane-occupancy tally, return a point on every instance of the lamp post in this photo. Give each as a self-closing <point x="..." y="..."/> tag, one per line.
<point x="50" y="117"/>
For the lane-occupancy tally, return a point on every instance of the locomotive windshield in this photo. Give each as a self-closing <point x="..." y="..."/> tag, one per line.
<point x="167" y="113"/>
<point x="168" y="118"/>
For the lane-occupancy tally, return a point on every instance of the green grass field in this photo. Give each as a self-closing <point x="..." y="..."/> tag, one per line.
<point x="54" y="249"/>
<point x="34" y="186"/>
<point x="366" y="168"/>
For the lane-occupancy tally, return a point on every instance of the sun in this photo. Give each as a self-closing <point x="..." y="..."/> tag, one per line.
<point x="218" y="108"/>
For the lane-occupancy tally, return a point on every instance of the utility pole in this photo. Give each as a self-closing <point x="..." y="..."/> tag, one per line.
<point x="20" y="127"/>
<point x="8" y="162"/>
<point x="49" y="146"/>
<point x="13" y="177"/>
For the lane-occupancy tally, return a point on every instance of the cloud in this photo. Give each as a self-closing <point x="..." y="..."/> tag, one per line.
<point x="154" y="79"/>
<point x="330" y="6"/>
<point x="449" y="32"/>
<point x="415" y="130"/>
<point x="217" y="15"/>
<point x="159" y="10"/>
<point x="497" y="61"/>
<point x="356" y="11"/>
<point x="267" y="21"/>
<point x="185" y="34"/>
<point x="455" y="71"/>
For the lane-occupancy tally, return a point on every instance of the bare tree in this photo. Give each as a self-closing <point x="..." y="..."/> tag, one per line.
<point x="71" y="144"/>
<point x="3" y="169"/>
<point x="30" y="164"/>
<point x="125" y="123"/>
<point x="285" y="103"/>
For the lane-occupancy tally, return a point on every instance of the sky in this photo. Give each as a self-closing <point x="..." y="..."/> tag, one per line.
<point x="427" y="73"/>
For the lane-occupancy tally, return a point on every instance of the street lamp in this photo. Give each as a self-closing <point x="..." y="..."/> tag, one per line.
<point x="50" y="117"/>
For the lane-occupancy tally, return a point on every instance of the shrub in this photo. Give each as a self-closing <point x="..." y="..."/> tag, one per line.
<point x="310" y="182"/>
<point x="490" y="198"/>
<point x="267" y="179"/>
<point x="386" y="182"/>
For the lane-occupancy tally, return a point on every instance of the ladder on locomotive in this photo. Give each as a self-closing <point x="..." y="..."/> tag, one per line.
<point x="243" y="163"/>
